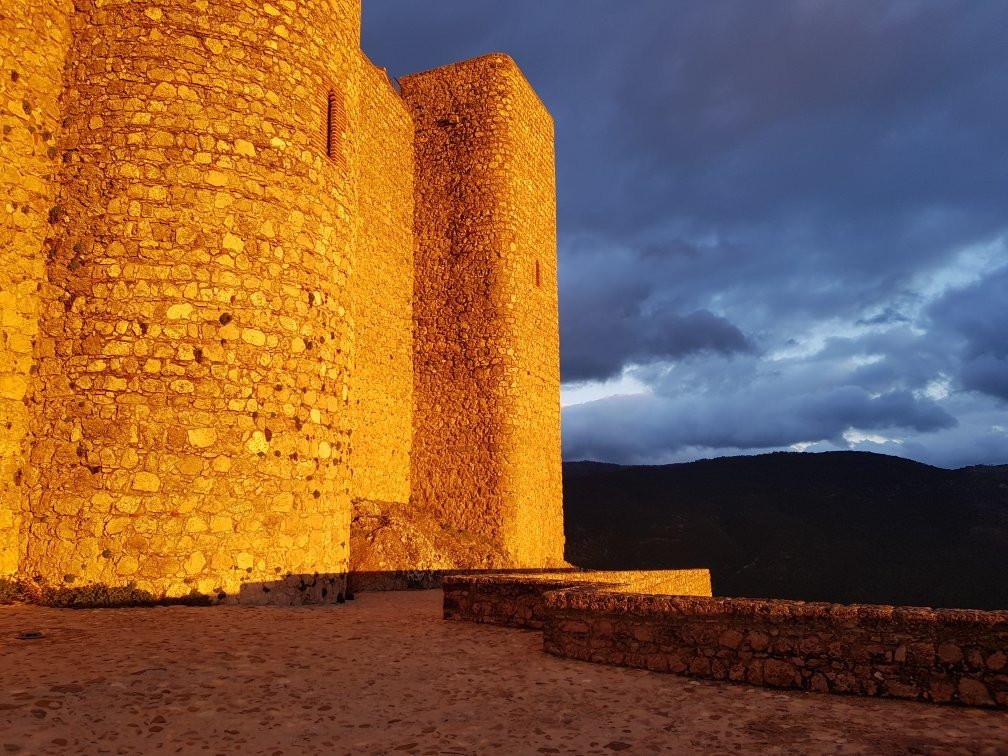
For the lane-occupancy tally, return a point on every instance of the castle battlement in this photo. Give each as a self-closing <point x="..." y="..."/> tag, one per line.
<point x="263" y="315"/>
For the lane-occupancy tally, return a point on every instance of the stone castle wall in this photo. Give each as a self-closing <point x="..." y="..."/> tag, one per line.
<point x="190" y="411"/>
<point x="34" y="38"/>
<point x="229" y="322"/>
<point x="486" y="456"/>
<point x="383" y="284"/>
<point x="531" y="464"/>
<point x="382" y="395"/>
<point x="936" y="655"/>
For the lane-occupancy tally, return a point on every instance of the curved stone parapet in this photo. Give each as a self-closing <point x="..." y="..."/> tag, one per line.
<point x="947" y="656"/>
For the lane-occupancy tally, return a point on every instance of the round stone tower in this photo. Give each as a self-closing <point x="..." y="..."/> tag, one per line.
<point x="34" y="37"/>
<point x="190" y="424"/>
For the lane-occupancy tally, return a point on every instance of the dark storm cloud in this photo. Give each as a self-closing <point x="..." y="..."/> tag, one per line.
<point x="986" y="373"/>
<point x="764" y="212"/>
<point x="613" y="315"/>
<point x="978" y="316"/>
<point x="613" y="339"/>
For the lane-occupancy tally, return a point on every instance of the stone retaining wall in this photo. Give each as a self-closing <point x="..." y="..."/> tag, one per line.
<point x="938" y="655"/>
<point x="518" y="599"/>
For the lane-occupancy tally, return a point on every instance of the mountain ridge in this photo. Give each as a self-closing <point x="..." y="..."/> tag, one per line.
<point x="848" y="527"/>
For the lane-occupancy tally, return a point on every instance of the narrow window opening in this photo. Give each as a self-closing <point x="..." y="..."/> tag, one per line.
<point x="333" y="126"/>
<point x="330" y="109"/>
<point x="538" y="277"/>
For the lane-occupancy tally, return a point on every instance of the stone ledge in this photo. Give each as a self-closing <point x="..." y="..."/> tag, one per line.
<point x="517" y="599"/>
<point x="663" y="605"/>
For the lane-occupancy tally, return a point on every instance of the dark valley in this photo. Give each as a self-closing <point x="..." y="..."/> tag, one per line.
<point x="847" y="527"/>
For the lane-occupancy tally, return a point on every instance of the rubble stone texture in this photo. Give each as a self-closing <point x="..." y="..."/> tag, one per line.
<point x="947" y="656"/>
<point x="487" y="374"/>
<point x="35" y="39"/>
<point x="259" y="310"/>
<point x="519" y="600"/>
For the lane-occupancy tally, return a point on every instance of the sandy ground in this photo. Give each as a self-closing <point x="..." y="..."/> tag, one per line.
<point x="385" y="674"/>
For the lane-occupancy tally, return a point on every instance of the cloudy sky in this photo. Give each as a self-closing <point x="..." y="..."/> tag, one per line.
<point x="782" y="225"/>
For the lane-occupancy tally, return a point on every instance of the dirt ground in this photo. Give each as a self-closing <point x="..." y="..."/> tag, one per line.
<point x="384" y="674"/>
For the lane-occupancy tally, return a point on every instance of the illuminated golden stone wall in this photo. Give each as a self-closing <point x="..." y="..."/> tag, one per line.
<point x="34" y="36"/>
<point x="251" y="295"/>
<point x="383" y="286"/>
<point x="191" y="424"/>
<point x="486" y="455"/>
<point x="382" y="395"/>
<point x="532" y="469"/>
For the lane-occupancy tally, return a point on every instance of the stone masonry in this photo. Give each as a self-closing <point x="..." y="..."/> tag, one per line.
<point x="948" y="656"/>
<point x="264" y="317"/>
<point x="520" y="600"/>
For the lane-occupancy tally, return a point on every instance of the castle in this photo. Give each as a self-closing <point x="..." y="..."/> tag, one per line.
<point x="268" y="317"/>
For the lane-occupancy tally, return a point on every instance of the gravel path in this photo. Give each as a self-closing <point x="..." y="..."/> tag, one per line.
<point x="384" y="674"/>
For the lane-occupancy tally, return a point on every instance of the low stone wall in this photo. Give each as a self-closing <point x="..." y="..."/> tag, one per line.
<point x="939" y="655"/>
<point x="518" y="599"/>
